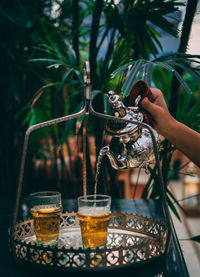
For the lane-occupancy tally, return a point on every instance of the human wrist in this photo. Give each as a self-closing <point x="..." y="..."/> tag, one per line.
<point x="169" y="128"/>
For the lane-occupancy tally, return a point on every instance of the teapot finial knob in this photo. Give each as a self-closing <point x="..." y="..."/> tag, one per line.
<point x="118" y="107"/>
<point x="114" y="99"/>
<point x="111" y="92"/>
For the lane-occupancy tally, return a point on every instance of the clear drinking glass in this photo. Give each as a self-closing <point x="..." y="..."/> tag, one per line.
<point x="94" y="214"/>
<point x="46" y="208"/>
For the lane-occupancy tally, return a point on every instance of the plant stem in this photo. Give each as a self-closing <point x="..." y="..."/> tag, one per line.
<point x="187" y="24"/>
<point x="98" y="6"/>
<point x="75" y="30"/>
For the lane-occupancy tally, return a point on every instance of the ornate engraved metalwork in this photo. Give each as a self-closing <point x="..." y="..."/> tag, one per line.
<point x="131" y="144"/>
<point x="132" y="239"/>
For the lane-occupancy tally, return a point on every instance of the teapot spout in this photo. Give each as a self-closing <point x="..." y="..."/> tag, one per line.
<point x="106" y="151"/>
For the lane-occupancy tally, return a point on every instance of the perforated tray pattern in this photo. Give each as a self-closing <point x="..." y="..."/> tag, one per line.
<point x="132" y="239"/>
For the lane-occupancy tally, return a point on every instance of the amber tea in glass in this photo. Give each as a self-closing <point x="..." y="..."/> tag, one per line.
<point x="46" y="209"/>
<point x="94" y="214"/>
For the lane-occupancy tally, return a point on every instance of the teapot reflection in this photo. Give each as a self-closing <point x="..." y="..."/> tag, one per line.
<point x="131" y="145"/>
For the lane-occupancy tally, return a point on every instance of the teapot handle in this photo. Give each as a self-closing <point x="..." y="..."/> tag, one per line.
<point x="141" y="88"/>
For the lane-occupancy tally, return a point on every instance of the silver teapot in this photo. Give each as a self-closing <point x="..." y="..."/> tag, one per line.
<point x="131" y="145"/>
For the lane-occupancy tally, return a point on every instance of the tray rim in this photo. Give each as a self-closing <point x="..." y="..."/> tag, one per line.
<point x="83" y="250"/>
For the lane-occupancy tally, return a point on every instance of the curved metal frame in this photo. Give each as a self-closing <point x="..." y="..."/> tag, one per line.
<point x="86" y="110"/>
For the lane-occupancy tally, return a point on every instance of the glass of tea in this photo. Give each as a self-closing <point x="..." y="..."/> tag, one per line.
<point x="46" y="208"/>
<point x="94" y="213"/>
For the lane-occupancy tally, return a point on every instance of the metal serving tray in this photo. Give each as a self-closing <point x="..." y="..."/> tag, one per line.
<point x="132" y="240"/>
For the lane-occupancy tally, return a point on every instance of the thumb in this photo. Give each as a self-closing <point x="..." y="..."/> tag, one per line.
<point x="150" y="107"/>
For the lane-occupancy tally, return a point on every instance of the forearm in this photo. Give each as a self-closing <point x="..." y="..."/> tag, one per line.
<point x="182" y="137"/>
<point x="185" y="139"/>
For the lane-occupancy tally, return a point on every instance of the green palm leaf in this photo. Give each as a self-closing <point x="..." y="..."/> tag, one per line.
<point x="182" y="82"/>
<point x="132" y="74"/>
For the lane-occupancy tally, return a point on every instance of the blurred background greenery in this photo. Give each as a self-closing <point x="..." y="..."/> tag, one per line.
<point x="44" y="44"/>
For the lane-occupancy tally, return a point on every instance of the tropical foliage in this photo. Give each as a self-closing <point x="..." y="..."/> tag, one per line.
<point x="45" y="45"/>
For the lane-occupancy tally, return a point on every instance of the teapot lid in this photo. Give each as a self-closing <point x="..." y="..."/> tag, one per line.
<point x="119" y="110"/>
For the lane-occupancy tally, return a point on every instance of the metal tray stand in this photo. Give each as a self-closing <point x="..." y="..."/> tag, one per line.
<point x="131" y="240"/>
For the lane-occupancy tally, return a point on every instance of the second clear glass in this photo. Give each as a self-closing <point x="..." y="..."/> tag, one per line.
<point x="94" y="213"/>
